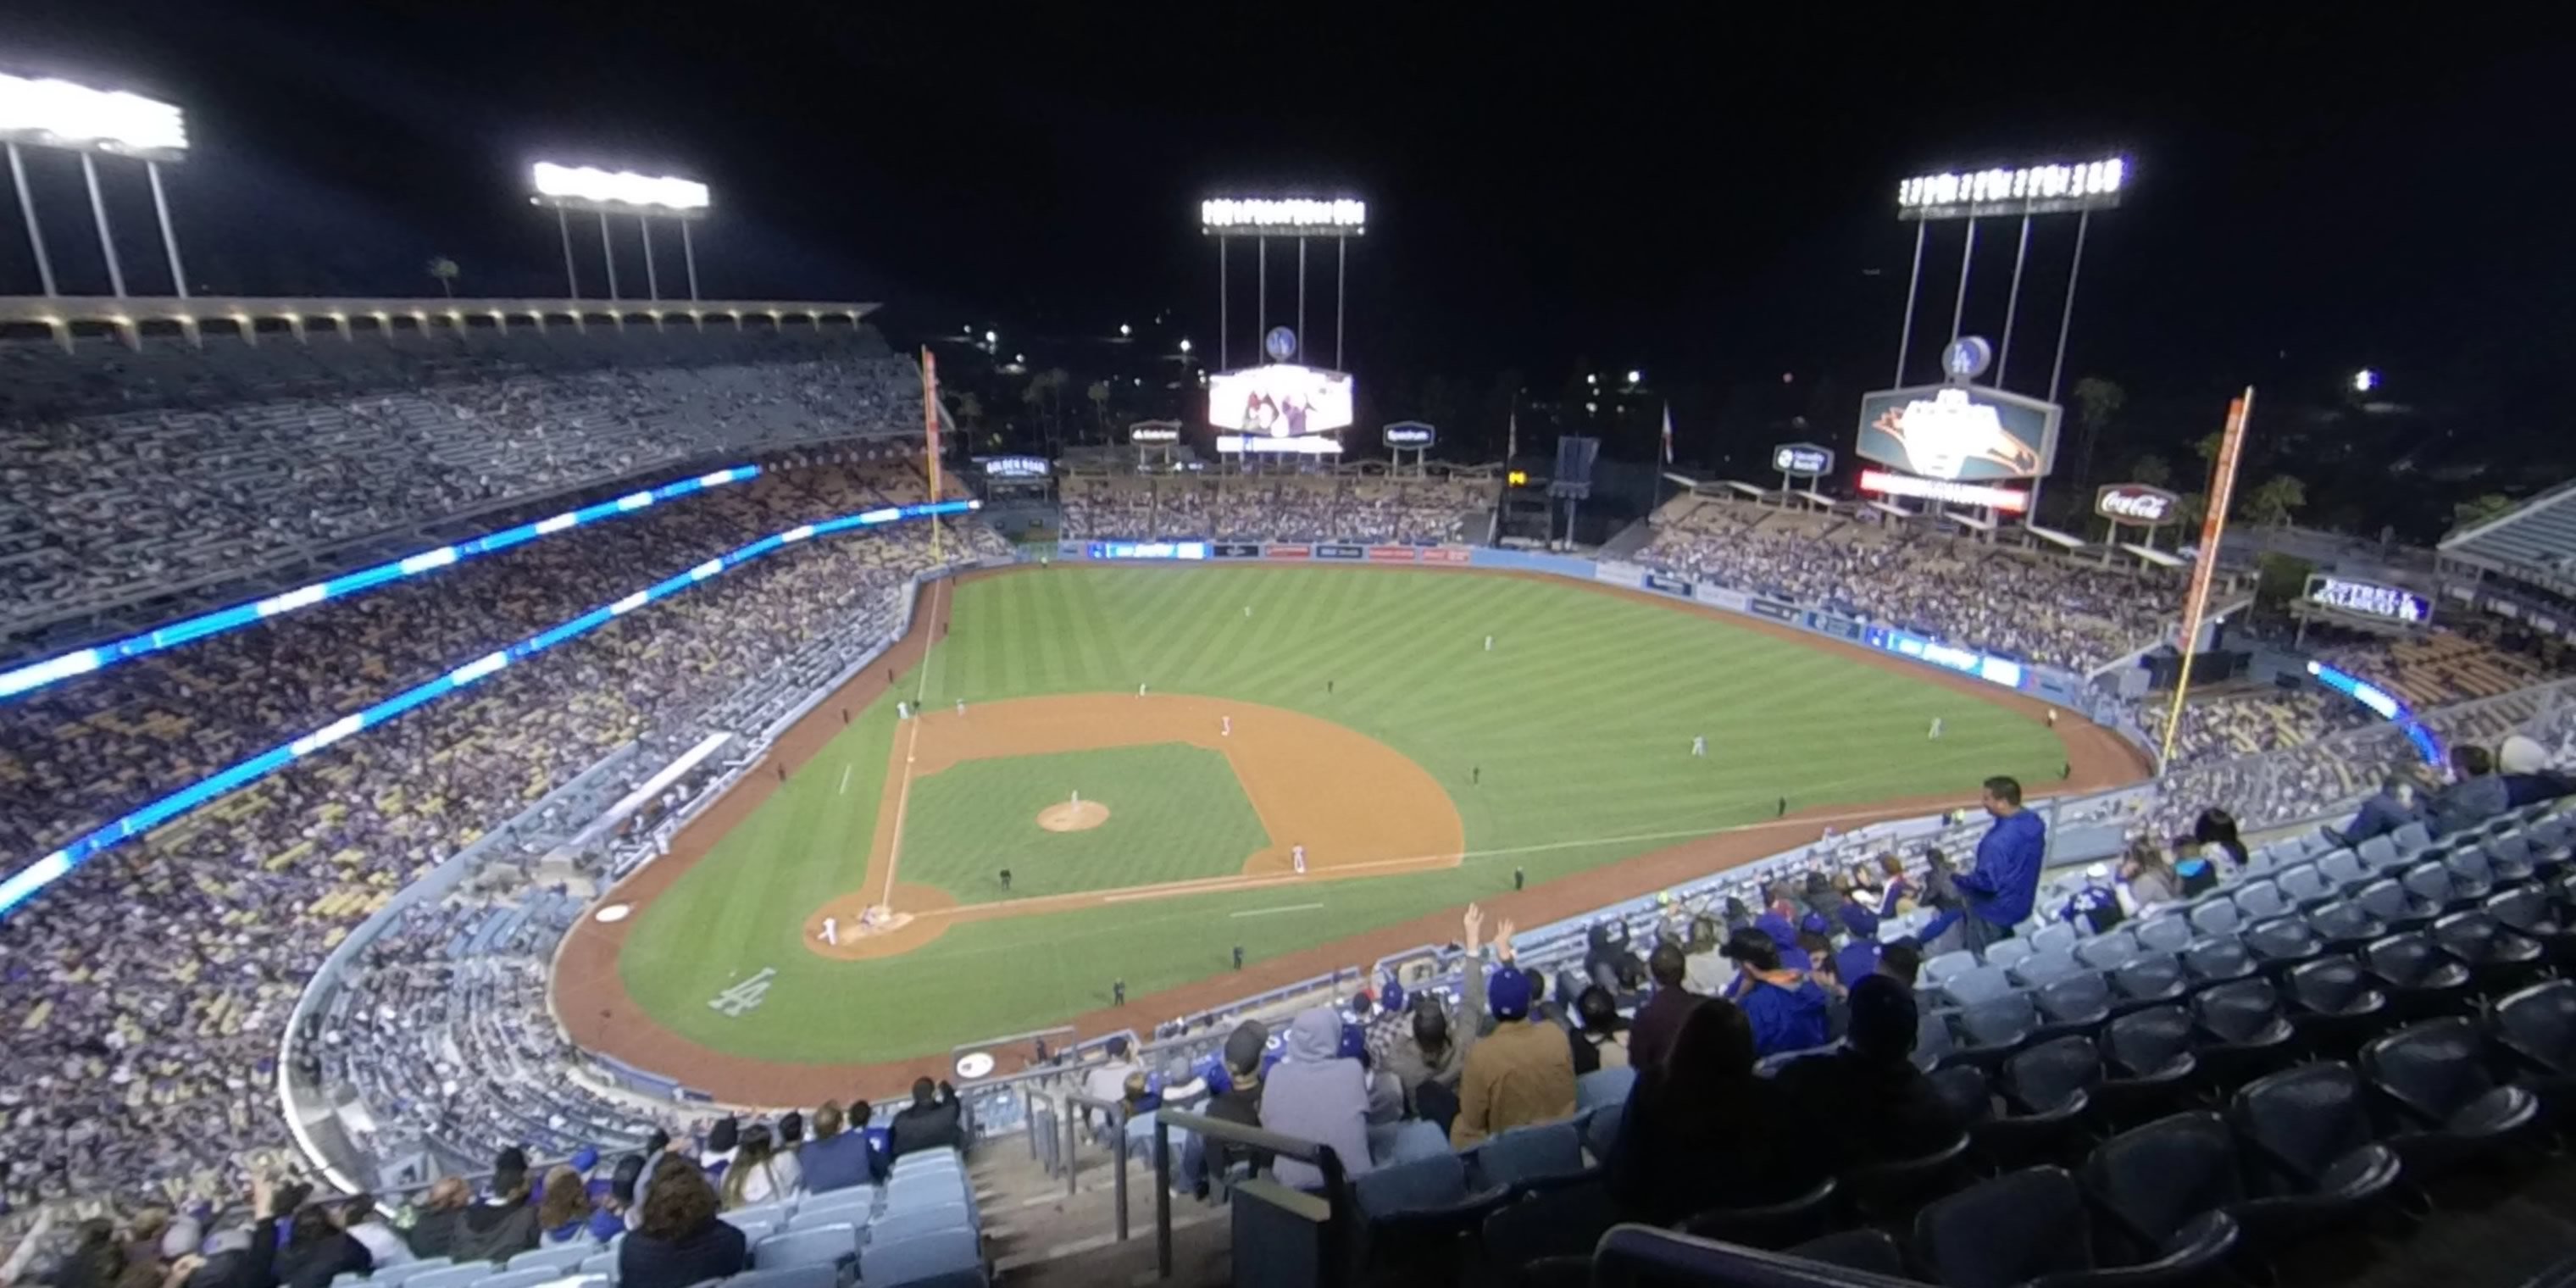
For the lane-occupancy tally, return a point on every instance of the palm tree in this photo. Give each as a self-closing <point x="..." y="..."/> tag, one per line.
<point x="1099" y="395"/>
<point x="2275" y="499"/>
<point x="2097" y="401"/>
<point x="444" y="269"/>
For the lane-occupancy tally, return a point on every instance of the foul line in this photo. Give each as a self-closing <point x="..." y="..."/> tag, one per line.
<point x="1264" y="912"/>
<point x="903" y="794"/>
<point x="845" y="780"/>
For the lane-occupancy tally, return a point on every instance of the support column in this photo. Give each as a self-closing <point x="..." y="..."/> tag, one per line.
<point x="169" y="239"/>
<point x="27" y="208"/>
<point x="106" y="240"/>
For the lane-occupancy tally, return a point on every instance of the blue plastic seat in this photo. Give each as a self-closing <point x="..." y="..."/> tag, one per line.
<point x="452" y="1276"/>
<point x="2006" y="952"/>
<point x="1524" y="1154"/>
<point x="555" y="1258"/>
<point x="895" y="1227"/>
<point x="1977" y="984"/>
<point x="943" y="1258"/>
<point x="2038" y="970"/>
<point x="815" y="1275"/>
<point x="2108" y="951"/>
<point x="823" y="1244"/>
<point x="521" y="1278"/>
<point x="2215" y="916"/>
<point x="1604" y="1087"/>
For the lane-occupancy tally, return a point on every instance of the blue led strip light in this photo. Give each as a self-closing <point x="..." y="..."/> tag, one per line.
<point x="2381" y="702"/>
<point x="36" y="675"/>
<point x="35" y="876"/>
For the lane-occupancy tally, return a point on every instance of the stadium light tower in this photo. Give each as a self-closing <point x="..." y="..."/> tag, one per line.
<point x="1262" y="218"/>
<point x="620" y="192"/>
<point x="2364" y="380"/>
<point x="59" y="114"/>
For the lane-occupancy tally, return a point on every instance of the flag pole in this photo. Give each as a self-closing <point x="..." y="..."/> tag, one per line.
<point x="930" y="437"/>
<point x="2222" y="490"/>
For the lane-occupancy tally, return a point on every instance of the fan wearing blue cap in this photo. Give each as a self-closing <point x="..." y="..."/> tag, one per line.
<point x="1523" y="1071"/>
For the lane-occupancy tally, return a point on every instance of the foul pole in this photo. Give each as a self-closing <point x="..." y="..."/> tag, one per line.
<point x="2222" y="489"/>
<point x="930" y="435"/>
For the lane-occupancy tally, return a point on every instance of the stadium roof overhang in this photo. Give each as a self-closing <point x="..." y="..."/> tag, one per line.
<point x="61" y="313"/>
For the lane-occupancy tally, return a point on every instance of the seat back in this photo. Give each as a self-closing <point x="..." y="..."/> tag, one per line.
<point x="2056" y="936"/>
<point x="2331" y="985"/>
<point x="2215" y="915"/>
<point x="555" y="1258"/>
<point x="2038" y="970"/>
<point x="2148" y="1041"/>
<point x="2308" y="1116"/>
<point x="523" y="1278"/>
<point x="896" y="1227"/>
<point x="2523" y="907"/>
<point x="923" y="1258"/>
<point x="2342" y="868"/>
<point x="2052" y="1074"/>
<point x="2540" y="1022"/>
<point x="2412" y="837"/>
<point x="2158" y="1177"/>
<point x="2472" y="936"/>
<point x="2436" y="1066"/>
<point x="756" y="1214"/>
<point x="2150" y="978"/>
<point x="2014" y="1228"/>
<point x="825" y="1244"/>
<point x="387" y="1276"/>
<point x="2344" y="922"/>
<point x="852" y="1205"/>
<point x="1557" y="1221"/>
<point x="1977" y="984"/>
<point x="2259" y="899"/>
<point x="1963" y="1088"/>
<point x="2305" y="884"/>
<point x="1416" y="1186"/>
<point x="2430" y="882"/>
<point x="2472" y="872"/>
<point x="1932" y="1038"/>
<point x="2378" y="851"/>
<point x="2282" y="939"/>
<point x="2080" y="998"/>
<point x="1942" y="966"/>
<point x="2218" y="960"/>
<point x="1526" y="1154"/>
<point x="2240" y="1012"/>
<point x="452" y="1276"/>
<point x="2164" y="933"/>
<point x="1999" y="1022"/>
<point x="2006" y="952"/>
<point x="814" y="1275"/>
<point x="1604" y="1087"/>
<point x="2408" y="960"/>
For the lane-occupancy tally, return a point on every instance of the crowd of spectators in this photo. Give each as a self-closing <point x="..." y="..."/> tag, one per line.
<point x="2037" y="607"/>
<point x="148" y="989"/>
<point x="126" y="471"/>
<point x="1274" y="507"/>
<point x="2224" y="728"/>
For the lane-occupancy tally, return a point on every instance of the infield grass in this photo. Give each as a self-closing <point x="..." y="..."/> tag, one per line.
<point x="1579" y="721"/>
<point x="1175" y="812"/>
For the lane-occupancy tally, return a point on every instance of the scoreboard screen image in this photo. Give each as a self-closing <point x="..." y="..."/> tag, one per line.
<point x="1282" y="400"/>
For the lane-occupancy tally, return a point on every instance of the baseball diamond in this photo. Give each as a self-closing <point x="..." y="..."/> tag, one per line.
<point x="1353" y="711"/>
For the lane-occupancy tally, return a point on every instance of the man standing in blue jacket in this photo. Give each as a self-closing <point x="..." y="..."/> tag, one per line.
<point x="1999" y="889"/>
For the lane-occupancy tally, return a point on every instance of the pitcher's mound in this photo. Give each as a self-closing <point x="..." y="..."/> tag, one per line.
<point x="1070" y="817"/>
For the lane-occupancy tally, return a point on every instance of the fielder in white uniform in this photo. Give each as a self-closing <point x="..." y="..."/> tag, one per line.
<point x="1297" y="856"/>
<point x="1699" y="745"/>
<point x="831" y="932"/>
<point x="1936" y="727"/>
<point x="1140" y="690"/>
<point x="961" y="706"/>
<point x="1489" y="643"/>
<point x="1225" y="726"/>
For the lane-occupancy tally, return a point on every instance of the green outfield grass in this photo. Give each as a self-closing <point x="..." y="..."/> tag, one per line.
<point x="1175" y="812"/>
<point x="1580" y="720"/>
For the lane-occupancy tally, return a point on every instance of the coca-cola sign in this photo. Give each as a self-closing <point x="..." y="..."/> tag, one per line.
<point x="2135" y="503"/>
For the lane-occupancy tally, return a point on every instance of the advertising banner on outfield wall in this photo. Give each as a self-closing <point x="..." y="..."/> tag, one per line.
<point x="1330" y="551"/>
<point x="1773" y="609"/>
<point x="1838" y="627"/>
<point x="1733" y="601"/>
<point x="1391" y="554"/>
<point x="1668" y="585"/>
<point x="1620" y="574"/>
<point x="1236" y="550"/>
<point x="1286" y="552"/>
<point x="1447" y="554"/>
<point x="1072" y="550"/>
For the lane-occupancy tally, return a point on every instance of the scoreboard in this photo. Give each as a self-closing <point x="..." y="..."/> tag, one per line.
<point x="2389" y="604"/>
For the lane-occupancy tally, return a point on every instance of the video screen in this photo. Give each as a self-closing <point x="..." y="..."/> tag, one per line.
<point x="1282" y="400"/>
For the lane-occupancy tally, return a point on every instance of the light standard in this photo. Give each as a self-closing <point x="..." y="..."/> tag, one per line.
<point x="620" y="192"/>
<point x="50" y="113"/>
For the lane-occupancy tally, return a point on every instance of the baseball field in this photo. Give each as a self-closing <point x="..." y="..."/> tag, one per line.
<point x="1154" y="753"/>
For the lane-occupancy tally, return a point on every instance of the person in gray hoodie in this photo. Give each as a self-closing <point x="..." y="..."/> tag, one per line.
<point x="1316" y="1093"/>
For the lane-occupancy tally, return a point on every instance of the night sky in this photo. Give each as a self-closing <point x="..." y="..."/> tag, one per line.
<point x="1703" y="193"/>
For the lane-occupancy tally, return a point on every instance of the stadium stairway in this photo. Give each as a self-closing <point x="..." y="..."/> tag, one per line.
<point x="1036" y="1233"/>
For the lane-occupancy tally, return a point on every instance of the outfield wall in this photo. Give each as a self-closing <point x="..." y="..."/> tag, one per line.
<point x="2048" y="684"/>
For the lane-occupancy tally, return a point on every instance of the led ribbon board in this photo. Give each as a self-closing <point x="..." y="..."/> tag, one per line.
<point x="2383" y="704"/>
<point x="35" y="876"/>
<point x="82" y="661"/>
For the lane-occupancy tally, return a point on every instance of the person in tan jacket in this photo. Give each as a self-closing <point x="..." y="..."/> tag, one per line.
<point x="1522" y="1072"/>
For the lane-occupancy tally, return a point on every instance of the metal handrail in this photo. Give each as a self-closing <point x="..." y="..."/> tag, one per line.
<point x="1317" y="1153"/>
<point x="1117" y="1111"/>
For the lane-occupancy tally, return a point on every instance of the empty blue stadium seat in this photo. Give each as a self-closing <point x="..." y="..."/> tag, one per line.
<point x="943" y="1259"/>
<point x="816" y="1275"/>
<point x="452" y="1276"/>
<point x="895" y="1227"/>
<point x="521" y="1278"/>
<point x="1525" y="1154"/>
<point x="826" y="1244"/>
<point x="555" y="1258"/>
<point x="1604" y="1087"/>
